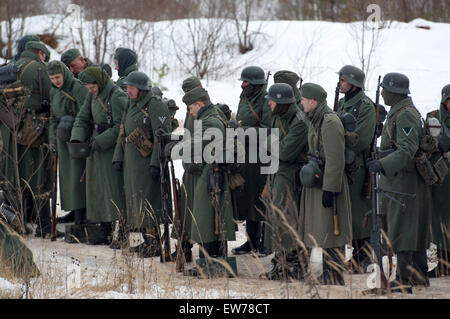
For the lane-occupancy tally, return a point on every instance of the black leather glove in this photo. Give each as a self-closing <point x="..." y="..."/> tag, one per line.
<point x="118" y="166"/>
<point x="154" y="171"/>
<point x="327" y="199"/>
<point x="233" y="124"/>
<point x="95" y="147"/>
<point x="375" y="166"/>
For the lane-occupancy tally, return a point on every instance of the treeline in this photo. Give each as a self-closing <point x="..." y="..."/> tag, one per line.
<point x="157" y="10"/>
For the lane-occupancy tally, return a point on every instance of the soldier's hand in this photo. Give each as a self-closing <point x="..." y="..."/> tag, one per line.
<point x="154" y="171"/>
<point x="327" y="199"/>
<point x="375" y="166"/>
<point x="233" y="124"/>
<point x="52" y="145"/>
<point x="118" y="166"/>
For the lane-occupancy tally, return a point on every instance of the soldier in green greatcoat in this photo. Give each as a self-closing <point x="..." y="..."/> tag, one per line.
<point x="66" y="98"/>
<point x="440" y="234"/>
<point x="253" y="113"/>
<point x="76" y="63"/>
<point x="355" y="102"/>
<point x="98" y="123"/>
<point x="137" y="155"/>
<point x="125" y="61"/>
<point x="34" y="168"/>
<point x="408" y="226"/>
<point x="212" y="225"/>
<point x="325" y="209"/>
<point x="292" y="144"/>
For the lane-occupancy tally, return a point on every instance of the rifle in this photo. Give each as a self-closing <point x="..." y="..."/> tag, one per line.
<point x="301" y="83"/>
<point x="54" y="190"/>
<point x="215" y="183"/>
<point x="336" y="97"/>
<point x="367" y="187"/>
<point x="268" y="76"/>
<point x="165" y="191"/>
<point x="180" y="259"/>
<point x="376" y="236"/>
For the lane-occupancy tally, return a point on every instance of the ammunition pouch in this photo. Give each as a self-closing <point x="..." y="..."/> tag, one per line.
<point x="140" y="140"/>
<point x="31" y="131"/>
<point x="425" y="168"/>
<point x="64" y="129"/>
<point x="441" y="169"/>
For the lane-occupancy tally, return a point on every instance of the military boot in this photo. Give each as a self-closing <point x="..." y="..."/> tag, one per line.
<point x="420" y="272"/>
<point x="151" y="246"/>
<point x="251" y="228"/>
<point x="186" y="248"/>
<point x="332" y="272"/>
<point x="44" y="224"/>
<point x="68" y="218"/>
<point x="79" y="216"/>
<point x="119" y="237"/>
<point x="402" y="281"/>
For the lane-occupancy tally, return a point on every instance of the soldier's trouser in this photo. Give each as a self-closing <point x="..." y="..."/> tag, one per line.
<point x="360" y="250"/>
<point x="254" y="233"/>
<point x="412" y="267"/>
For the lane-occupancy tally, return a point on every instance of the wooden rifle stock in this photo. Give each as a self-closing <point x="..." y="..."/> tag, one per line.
<point x="336" y="97"/>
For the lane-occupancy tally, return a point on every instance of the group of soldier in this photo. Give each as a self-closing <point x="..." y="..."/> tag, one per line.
<point x="105" y="137"/>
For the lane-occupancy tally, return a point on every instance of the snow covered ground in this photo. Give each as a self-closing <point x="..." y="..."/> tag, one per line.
<point x="316" y="50"/>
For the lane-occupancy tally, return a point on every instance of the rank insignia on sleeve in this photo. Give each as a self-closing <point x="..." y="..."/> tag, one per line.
<point x="407" y="130"/>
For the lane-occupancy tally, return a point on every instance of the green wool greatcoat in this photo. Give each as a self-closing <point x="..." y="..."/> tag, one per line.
<point x="68" y="100"/>
<point x="141" y="190"/>
<point x="190" y="177"/>
<point x="34" y="162"/>
<point x="408" y="228"/>
<point x="316" y="222"/>
<point x="293" y="148"/>
<point x="121" y="81"/>
<point x="252" y="113"/>
<point x="104" y="185"/>
<point x="363" y="107"/>
<point x="202" y="224"/>
<point x="440" y="234"/>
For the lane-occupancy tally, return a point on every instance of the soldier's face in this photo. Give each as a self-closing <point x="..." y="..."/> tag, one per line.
<point x="194" y="108"/>
<point x="447" y="104"/>
<point x="308" y="104"/>
<point x="116" y="64"/>
<point x="42" y="56"/>
<point x="57" y="80"/>
<point x="93" y="88"/>
<point x="244" y="84"/>
<point x="77" y="65"/>
<point x="344" y="86"/>
<point x="132" y="91"/>
<point x="273" y="105"/>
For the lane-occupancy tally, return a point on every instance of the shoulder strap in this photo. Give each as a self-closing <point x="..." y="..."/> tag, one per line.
<point x="258" y="118"/>
<point x="24" y="68"/>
